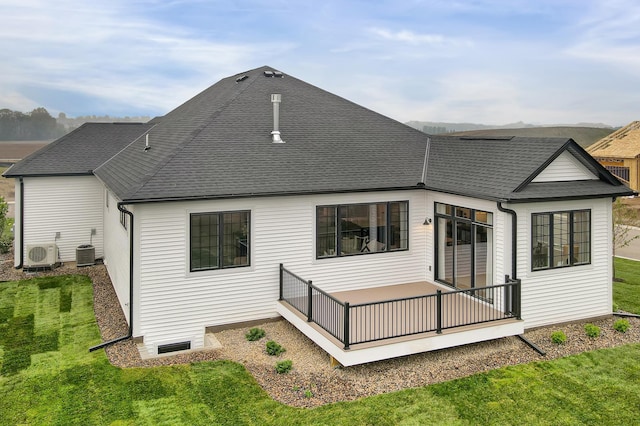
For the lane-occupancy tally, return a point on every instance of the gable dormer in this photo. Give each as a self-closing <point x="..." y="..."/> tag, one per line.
<point x="566" y="167"/>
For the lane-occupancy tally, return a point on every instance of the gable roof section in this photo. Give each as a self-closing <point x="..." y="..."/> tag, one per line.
<point x="80" y="151"/>
<point x="565" y="168"/>
<point x="503" y="169"/>
<point x="623" y="143"/>
<point x="218" y="144"/>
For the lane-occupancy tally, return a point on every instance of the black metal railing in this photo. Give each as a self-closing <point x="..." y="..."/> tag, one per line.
<point x="386" y="319"/>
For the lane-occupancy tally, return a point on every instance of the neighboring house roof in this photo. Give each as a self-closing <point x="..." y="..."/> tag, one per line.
<point x="80" y="151"/>
<point x="219" y="145"/>
<point x="623" y="143"/>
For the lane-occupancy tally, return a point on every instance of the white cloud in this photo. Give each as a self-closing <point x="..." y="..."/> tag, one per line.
<point x="412" y="38"/>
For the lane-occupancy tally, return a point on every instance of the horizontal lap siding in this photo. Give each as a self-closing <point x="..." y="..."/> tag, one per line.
<point x="177" y="304"/>
<point x="570" y="293"/>
<point x="116" y="248"/>
<point x="71" y="205"/>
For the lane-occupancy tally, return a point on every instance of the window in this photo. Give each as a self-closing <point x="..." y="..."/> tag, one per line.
<point x="349" y="229"/>
<point x="464" y="246"/>
<point x="560" y="239"/>
<point x="219" y="240"/>
<point x="123" y="219"/>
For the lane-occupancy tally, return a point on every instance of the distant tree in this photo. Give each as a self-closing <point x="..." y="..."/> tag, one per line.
<point x="43" y="125"/>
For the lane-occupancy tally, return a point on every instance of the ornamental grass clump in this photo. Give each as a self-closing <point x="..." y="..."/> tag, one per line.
<point x="621" y="325"/>
<point x="592" y="330"/>
<point x="558" y="337"/>
<point x="274" y="348"/>
<point x="255" y="334"/>
<point x="284" y="366"/>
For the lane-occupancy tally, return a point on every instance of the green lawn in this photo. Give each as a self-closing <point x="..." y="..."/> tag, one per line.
<point x="626" y="294"/>
<point x="48" y="377"/>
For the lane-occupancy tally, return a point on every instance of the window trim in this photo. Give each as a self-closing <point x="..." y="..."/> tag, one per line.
<point x="221" y="265"/>
<point x="571" y="243"/>
<point x="338" y="229"/>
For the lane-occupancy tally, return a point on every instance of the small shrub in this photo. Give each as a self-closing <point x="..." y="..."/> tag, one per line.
<point x="284" y="366"/>
<point x="274" y="348"/>
<point x="255" y="334"/>
<point x="558" y="337"/>
<point x="592" y="330"/>
<point x="616" y="307"/>
<point x="621" y="325"/>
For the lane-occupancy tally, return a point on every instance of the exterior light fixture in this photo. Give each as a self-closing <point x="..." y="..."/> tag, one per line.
<point x="427" y="221"/>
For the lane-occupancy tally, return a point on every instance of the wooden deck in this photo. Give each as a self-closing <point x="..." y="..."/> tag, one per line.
<point x="377" y="323"/>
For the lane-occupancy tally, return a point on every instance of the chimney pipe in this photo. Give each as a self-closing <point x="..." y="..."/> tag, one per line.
<point x="275" y="134"/>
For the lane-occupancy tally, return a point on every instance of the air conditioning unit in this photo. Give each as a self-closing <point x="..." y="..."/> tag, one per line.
<point x="41" y="255"/>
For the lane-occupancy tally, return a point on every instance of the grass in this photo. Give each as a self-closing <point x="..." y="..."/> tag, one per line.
<point x="48" y="377"/>
<point x="626" y="293"/>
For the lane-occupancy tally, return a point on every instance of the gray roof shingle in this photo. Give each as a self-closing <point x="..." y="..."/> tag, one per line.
<point x="218" y="145"/>
<point x="80" y="151"/>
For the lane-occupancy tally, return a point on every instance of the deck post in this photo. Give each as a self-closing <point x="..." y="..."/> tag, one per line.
<point x="280" y="297"/>
<point x="517" y="296"/>
<point x="439" y="312"/>
<point x="346" y="325"/>
<point x="509" y="308"/>
<point x="309" y="301"/>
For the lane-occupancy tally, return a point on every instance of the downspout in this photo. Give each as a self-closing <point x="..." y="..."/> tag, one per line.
<point x="21" y="223"/>
<point x="514" y="238"/>
<point x="130" y="332"/>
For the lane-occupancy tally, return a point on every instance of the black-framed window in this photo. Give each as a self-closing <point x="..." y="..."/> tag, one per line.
<point x="219" y="240"/>
<point x="464" y="246"/>
<point x="123" y="219"/>
<point x="560" y="239"/>
<point x="350" y="229"/>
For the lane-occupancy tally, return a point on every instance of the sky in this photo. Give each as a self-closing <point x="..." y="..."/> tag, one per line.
<point x="477" y="61"/>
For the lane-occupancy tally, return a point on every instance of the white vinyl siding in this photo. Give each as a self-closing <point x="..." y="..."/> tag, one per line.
<point x="70" y="205"/>
<point x="564" y="168"/>
<point x="116" y="253"/>
<point x="177" y="304"/>
<point x="566" y="294"/>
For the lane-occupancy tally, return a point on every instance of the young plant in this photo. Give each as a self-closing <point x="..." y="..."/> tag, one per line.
<point x="621" y="325"/>
<point x="284" y="366"/>
<point x="592" y="330"/>
<point x="255" y="334"/>
<point x="558" y="337"/>
<point x="274" y="348"/>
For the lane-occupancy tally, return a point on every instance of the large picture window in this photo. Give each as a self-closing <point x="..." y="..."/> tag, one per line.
<point x="349" y="229"/>
<point x="464" y="246"/>
<point x="219" y="240"/>
<point x="560" y="239"/>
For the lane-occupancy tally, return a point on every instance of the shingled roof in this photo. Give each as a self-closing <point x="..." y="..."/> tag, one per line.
<point x="219" y="145"/>
<point x="80" y="151"/>
<point x="623" y="143"/>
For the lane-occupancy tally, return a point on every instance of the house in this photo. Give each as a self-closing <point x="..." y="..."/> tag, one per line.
<point x="620" y="154"/>
<point x="265" y="196"/>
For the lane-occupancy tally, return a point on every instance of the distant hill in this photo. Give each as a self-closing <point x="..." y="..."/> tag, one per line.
<point x="584" y="136"/>
<point x="437" y="127"/>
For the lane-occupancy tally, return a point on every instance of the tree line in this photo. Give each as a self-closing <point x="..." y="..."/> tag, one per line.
<point x="40" y="125"/>
<point x="35" y="125"/>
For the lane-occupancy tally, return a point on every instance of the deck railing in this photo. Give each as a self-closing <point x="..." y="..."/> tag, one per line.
<point x="386" y="319"/>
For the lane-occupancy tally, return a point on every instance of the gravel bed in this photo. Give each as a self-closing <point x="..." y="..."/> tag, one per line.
<point x="312" y="381"/>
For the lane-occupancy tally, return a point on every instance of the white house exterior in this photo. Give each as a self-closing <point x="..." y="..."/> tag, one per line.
<point x="193" y="225"/>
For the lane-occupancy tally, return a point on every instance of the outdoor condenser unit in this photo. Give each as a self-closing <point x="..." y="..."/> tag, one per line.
<point x="41" y="255"/>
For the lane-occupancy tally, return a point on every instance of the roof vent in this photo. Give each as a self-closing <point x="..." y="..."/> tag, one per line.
<point x="242" y="78"/>
<point x="147" y="147"/>
<point x="276" y="74"/>
<point x="275" y="100"/>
